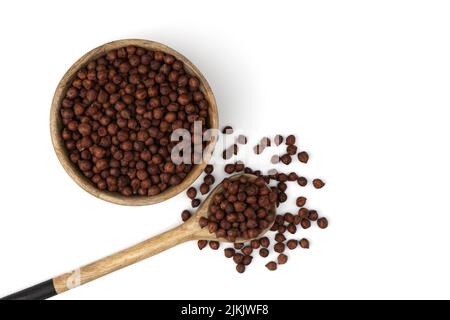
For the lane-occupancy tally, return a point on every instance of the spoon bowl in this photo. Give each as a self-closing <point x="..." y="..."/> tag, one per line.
<point x="202" y="233"/>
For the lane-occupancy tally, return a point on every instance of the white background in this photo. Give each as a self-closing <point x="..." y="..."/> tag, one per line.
<point x="363" y="84"/>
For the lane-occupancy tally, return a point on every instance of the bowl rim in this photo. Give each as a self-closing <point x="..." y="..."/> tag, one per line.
<point x="75" y="173"/>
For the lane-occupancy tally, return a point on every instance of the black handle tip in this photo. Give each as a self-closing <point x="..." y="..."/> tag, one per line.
<point x="40" y="291"/>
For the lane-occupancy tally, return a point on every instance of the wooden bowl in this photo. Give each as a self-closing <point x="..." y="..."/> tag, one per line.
<point x="73" y="170"/>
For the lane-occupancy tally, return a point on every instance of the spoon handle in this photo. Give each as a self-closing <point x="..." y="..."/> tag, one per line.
<point x="106" y="265"/>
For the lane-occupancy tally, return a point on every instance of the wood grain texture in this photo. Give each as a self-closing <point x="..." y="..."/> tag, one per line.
<point x="56" y="125"/>
<point x="190" y="230"/>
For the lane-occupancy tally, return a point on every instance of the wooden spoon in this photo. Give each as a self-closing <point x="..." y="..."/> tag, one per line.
<point x="190" y="230"/>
